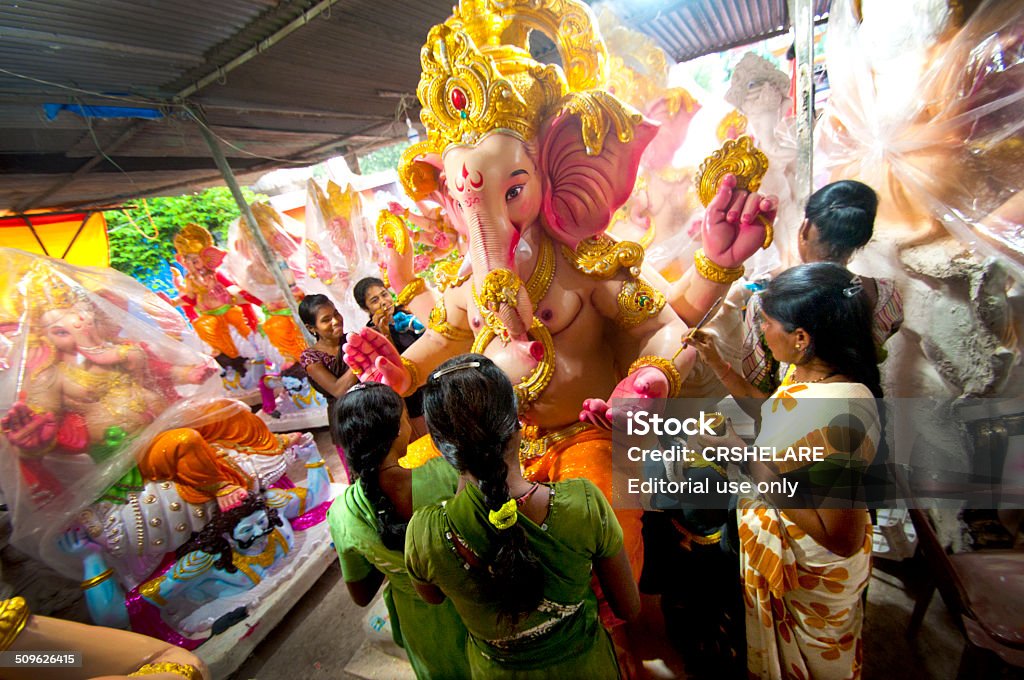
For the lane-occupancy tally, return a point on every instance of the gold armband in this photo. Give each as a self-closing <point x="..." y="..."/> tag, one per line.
<point x="675" y="381"/>
<point x="414" y="375"/>
<point x="317" y="464"/>
<point x="713" y="272"/>
<point x="185" y="670"/>
<point x="96" y="580"/>
<point x="438" y="322"/>
<point x="638" y="302"/>
<point x="411" y="290"/>
<point x="13" y="616"/>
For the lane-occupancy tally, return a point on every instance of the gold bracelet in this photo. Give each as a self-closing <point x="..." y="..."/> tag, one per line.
<point x="411" y="290"/>
<point x="714" y="272"/>
<point x="226" y="489"/>
<point x="13" y="616"/>
<point x="96" y="580"/>
<point x="675" y="381"/>
<point x="317" y="464"/>
<point x="185" y="670"/>
<point x="414" y="375"/>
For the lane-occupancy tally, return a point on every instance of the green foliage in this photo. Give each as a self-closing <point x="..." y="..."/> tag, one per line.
<point x="385" y="158"/>
<point x="141" y="249"/>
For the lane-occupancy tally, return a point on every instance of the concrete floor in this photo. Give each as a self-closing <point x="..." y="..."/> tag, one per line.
<point x="325" y="635"/>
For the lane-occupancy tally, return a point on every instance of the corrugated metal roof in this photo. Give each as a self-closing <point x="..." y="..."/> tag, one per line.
<point x="687" y="29"/>
<point x="313" y="94"/>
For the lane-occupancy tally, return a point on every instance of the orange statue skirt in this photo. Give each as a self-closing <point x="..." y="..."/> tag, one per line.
<point x="215" y="330"/>
<point x="191" y="456"/>
<point x="284" y="334"/>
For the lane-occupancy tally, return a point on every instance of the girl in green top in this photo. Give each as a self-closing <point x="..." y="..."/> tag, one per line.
<point x="515" y="558"/>
<point x="368" y="524"/>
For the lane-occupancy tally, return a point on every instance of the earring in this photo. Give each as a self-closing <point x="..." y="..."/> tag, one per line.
<point x="799" y="348"/>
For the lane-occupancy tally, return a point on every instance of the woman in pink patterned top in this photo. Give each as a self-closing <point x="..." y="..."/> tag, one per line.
<point x="327" y="373"/>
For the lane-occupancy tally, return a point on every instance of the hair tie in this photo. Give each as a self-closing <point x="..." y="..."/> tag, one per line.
<point x="457" y="367"/>
<point x="504" y="517"/>
<point x="855" y="287"/>
<point x="356" y="387"/>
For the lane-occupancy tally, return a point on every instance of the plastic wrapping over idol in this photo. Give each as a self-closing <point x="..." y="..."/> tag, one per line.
<point x="926" y="107"/>
<point x="116" y="449"/>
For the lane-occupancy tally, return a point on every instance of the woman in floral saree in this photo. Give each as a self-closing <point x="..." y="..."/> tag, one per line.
<point x="804" y="569"/>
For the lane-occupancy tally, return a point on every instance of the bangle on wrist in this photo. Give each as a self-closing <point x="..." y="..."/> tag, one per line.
<point x="414" y="376"/>
<point x="96" y="580"/>
<point x="675" y="380"/>
<point x="714" y="272"/>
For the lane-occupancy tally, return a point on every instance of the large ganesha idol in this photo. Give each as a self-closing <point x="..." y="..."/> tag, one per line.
<point x="116" y="453"/>
<point x="530" y="161"/>
<point x="220" y="316"/>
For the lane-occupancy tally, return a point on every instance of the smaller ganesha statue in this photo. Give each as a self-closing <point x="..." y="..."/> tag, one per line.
<point x="112" y="427"/>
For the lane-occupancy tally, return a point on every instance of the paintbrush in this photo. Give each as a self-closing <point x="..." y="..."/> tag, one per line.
<point x="700" y="324"/>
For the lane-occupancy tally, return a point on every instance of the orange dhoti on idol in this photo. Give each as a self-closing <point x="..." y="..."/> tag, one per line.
<point x="193" y="458"/>
<point x="284" y="334"/>
<point x="213" y="327"/>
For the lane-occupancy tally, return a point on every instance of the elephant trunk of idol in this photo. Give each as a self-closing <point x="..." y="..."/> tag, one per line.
<point x="498" y="285"/>
<point x="496" y="275"/>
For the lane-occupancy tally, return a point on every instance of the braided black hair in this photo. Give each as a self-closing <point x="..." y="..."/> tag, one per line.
<point x="471" y="414"/>
<point x="367" y="421"/>
<point x="844" y="213"/>
<point x="212" y="538"/>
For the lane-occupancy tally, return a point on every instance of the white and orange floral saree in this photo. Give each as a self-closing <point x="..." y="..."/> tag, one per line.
<point x="803" y="602"/>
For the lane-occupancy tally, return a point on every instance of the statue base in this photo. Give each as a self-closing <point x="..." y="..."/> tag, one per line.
<point x="305" y="420"/>
<point x="226" y="652"/>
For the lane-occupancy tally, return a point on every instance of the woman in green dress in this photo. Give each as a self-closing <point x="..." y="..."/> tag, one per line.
<point x="368" y="524"/>
<point x="515" y="558"/>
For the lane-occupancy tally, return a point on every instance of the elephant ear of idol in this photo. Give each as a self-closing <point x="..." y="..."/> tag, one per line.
<point x="590" y="152"/>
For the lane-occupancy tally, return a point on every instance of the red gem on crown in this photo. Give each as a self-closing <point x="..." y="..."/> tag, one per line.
<point x="459" y="100"/>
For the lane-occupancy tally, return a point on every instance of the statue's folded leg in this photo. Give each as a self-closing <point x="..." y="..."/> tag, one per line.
<point x="589" y="454"/>
<point x="285" y="336"/>
<point x="234" y="425"/>
<point x="213" y="330"/>
<point x="236" y="318"/>
<point x="187" y="457"/>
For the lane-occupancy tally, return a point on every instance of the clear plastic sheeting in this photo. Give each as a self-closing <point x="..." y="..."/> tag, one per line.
<point x="247" y="267"/>
<point x="339" y="246"/>
<point x="95" y="367"/>
<point x="927" y="106"/>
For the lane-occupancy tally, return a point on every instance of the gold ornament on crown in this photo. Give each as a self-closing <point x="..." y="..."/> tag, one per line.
<point x="45" y="290"/>
<point x="192" y="240"/>
<point x="478" y="77"/>
<point x="733" y="122"/>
